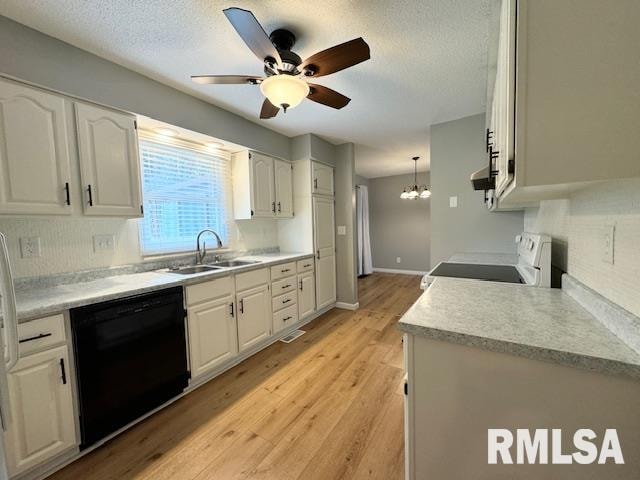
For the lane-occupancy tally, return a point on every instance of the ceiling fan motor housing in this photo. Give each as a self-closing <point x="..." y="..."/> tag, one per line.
<point x="283" y="40"/>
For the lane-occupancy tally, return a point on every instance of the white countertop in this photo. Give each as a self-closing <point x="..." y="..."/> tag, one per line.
<point x="38" y="302"/>
<point x="538" y="323"/>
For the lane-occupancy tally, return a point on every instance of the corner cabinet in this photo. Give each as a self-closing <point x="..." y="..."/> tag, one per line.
<point x="109" y="164"/>
<point x="262" y="186"/>
<point x="551" y="134"/>
<point x="34" y="151"/>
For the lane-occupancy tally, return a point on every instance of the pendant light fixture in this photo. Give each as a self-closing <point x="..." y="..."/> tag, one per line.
<point x="413" y="192"/>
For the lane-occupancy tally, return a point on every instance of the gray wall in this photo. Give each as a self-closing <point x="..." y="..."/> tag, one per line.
<point x="399" y="228"/>
<point x="347" y="291"/>
<point x="457" y="150"/>
<point x="38" y="58"/>
<point x="361" y="180"/>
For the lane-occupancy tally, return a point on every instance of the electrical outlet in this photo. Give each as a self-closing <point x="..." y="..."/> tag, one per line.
<point x="30" y="247"/>
<point x="342" y="230"/>
<point x="104" y="243"/>
<point x="608" y="243"/>
<point x="398" y="260"/>
<point x="453" y="202"/>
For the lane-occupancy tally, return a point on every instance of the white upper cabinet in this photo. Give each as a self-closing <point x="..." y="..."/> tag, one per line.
<point x="322" y="178"/>
<point x="109" y="164"/>
<point x="284" y="188"/>
<point x="41" y="409"/>
<point x="262" y="186"/>
<point x="565" y="110"/>
<point x="34" y="151"/>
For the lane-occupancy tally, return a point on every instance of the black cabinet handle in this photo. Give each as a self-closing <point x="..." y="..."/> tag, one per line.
<point x="489" y="138"/>
<point x="63" y="372"/>
<point x="287" y="318"/>
<point x="90" y="195"/>
<point x="307" y="265"/>
<point x="273" y="207"/>
<point x="286" y="301"/>
<point x="231" y="305"/>
<point x="242" y="305"/>
<point x="285" y="270"/>
<point x="286" y="286"/>
<point x="315" y="183"/>
<point x="37" y="337"/>
<point x="66" y="189"/>
<point x="279" y="207"/>
<point x="318" y="254"/>
<point x="300" y="285"/>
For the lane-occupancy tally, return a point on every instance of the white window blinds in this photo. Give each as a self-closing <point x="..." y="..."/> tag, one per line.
<point x="185" y="190"/>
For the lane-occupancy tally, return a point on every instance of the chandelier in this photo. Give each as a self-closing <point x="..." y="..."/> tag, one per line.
<point x="415" y="191"/>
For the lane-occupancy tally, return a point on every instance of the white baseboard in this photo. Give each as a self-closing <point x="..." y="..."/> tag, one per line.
<point x="394" y="270"/>
<point x="347" y="306"/>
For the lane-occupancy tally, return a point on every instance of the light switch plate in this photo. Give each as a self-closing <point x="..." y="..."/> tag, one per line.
<point x="30" y="247"/>
<point x="608" y="243"/>
<point x="104" y="243"/>
<point x="342" y="230"/>
<point x="398" y="260"/>
<point x="453" y="202"/>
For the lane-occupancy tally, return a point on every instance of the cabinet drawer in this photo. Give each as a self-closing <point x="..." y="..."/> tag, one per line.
<point x="41" y="333"/>
<point x="283" y="270"/>
<point x="305" y="265"/>
<point x="284" y="318"/>
<point x="251" y="279"/>
<point x="283" y="286"/>
<point x="210" y="290"/>
<point x="284" y="301"/>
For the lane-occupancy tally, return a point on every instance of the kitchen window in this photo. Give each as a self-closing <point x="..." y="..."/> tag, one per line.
<point x="185" y="190"/>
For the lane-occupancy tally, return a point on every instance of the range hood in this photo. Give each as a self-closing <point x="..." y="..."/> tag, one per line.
<point x="483" y="180"/>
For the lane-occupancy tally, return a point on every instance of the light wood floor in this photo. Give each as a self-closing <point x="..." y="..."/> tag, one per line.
<point x="327" y="406"/>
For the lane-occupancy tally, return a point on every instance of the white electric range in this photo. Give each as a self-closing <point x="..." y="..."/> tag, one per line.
<point x="532" y="265"/>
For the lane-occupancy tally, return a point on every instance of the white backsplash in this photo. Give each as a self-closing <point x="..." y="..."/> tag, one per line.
<point x="67" y="243"/>
<point x="578" y="226"/>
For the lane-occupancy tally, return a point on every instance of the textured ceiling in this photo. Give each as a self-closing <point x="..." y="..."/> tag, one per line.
<point x="428" y="60"/>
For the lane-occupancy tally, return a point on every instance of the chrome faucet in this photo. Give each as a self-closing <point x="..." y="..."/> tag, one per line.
<point x="200" y="254"/>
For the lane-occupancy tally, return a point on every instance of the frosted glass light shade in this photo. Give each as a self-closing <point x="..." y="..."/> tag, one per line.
<point x="425" y="193"/>
<point x="284" y="91"/>
<point x="413" y="194"/>
<point x="404" y="195"/>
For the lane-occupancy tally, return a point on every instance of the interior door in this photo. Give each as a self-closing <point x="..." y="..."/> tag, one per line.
<point x="284" y="188"/>
<point x="34" y="151"/>
<point x="324" y="239"/>
<point x="306" y="295"/>
<point x="263" y="197"/>
<point x="322" y="178"/>
<point x="42" y="409"/>
<point x="213" y="334"/>
<point x="254" y="316"/>
<point x="109" y="164"/>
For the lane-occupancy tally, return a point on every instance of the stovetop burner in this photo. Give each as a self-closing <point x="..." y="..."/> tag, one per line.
<point x="490" y="273"/>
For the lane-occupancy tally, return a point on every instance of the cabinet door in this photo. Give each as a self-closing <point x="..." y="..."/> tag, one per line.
<point x="263" y="198"/>
<point x="109" y="164"/>
<point x="213" y="334"/>
<point x="322" y="178"/>
<point x="34" y="151"/>
<point x="42" y="409"/>
<point x="254" y="316"/>
<point x="284" y="188"/>
<point x="324" y="239"/>
<point x="306" y="295"/>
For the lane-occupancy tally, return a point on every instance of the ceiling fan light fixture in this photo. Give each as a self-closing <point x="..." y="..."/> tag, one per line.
<point x="284" y="91"/>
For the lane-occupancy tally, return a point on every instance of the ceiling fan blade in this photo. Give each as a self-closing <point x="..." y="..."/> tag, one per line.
<point x="326" y="96"/>
<point x="252" y="33"/>
<point x="268" y="109"/>
<point x="336" y="58"/>
<point x="226" y="79"/>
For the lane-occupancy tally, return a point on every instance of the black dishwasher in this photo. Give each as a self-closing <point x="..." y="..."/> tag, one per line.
<point x="131" y="357"/>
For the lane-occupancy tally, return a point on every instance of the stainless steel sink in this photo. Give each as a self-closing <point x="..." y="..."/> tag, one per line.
<point x="234" y="263"/>
<point x="195" y="269"/>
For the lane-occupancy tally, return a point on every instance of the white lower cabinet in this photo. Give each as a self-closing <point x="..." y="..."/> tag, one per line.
<point x="42" y="411"/>
<point x="213" y="334"/>
<point x="306" y="295"/>
<point x="254" y="316"/>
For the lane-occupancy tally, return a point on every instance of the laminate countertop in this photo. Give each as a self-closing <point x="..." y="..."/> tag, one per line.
<point x="37" y="302"/>
<point x="538" y="323"/>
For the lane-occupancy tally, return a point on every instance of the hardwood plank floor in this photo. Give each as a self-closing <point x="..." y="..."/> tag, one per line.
<point x="327" y="406"/>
